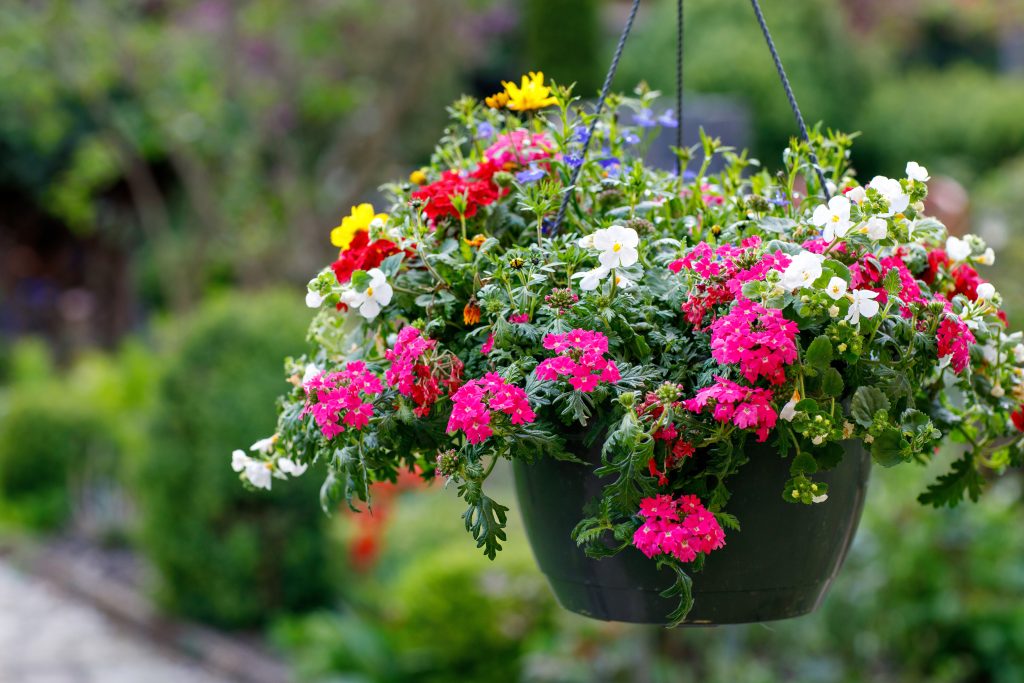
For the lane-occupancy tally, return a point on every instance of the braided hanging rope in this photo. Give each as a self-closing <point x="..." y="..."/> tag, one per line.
<point x="605" y="89"/>
<point x="679" y="85"/>
<point x="790" y="96"/>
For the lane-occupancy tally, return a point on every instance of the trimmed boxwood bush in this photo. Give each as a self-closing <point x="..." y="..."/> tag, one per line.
<point x="223" y="554"/>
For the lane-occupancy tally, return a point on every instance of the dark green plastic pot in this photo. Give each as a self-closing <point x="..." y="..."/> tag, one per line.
<point x="779" y="565"/>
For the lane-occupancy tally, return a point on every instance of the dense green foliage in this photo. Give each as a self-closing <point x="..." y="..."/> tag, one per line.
<point x="223" y="555"/>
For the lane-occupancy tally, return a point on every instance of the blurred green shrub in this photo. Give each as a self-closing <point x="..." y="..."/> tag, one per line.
<point x="996" y="216"/>
<point x="449" y="616"/>
<point x="225" y="554"/>
<point x="52" y="448"/>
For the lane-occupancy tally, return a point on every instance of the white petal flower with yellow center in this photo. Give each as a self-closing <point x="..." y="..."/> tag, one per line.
<point x="591" y="279"/>
<point x="957" y="250"/>
<point x="876" y="228"/>
<point x="892" y="192"/>
<point x="834" y="219"/>
<point x="986" y="291"/>
<point x="618" y="246"/>
<point x="836" y="288"/>
<point x="802" y="271"/>
<point x="862" y="304"/>
<point x="378" y="294"/>
<point x="258" y="472"/>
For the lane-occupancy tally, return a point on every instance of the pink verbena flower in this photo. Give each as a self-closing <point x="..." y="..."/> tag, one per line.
<point x="519" y="318"/>
<point x="581" y="358"/>
<point x="474" y="403"/>
<point x="488" y="345"/>
<point x="419" y="375"/>
<point x="335" y="399"/>
<point x="746" y="407"/>
<point x="681" y="528"/>
<point x="519" y="148"/>
<point x="955" y="340"/>
<point x="760" y="340"/>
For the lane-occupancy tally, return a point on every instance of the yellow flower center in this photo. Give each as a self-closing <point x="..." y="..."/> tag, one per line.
<point x="616" y="247"/>
<point x="369" y="291"/>
<point x="835" y="219"/>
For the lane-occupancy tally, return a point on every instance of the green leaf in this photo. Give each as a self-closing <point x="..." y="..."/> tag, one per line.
<point x="485" y="519"/>
<point x="892" y="283"/>
<point x="832" y="382"/>
<point x="819" y="353"/>
<point x="950" y="488"/>
<point x="829" y="455"/>
<point x="866" y="402"/>
<point x="838" y="268"/>
<point x="683" y="587"/>
<point x="887" y="448"/>
<point x="803" y="463"/>
<point x="360" y="280"/>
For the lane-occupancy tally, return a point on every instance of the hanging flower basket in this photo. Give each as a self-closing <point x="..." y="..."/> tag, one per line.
<point x="688" y="371"/>
<point x="779" y="565"/>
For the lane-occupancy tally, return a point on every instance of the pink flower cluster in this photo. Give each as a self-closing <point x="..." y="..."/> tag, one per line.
<point x="580" y="358"/>
<point x="760" y="340"/>
<point x="410" y="345"/>
<point x="345" y="397"/>
<point x="745" y="407"/>
<point x="723" y="277"/>
<point x="475" y="401"/>
<point x="519" y="148"/>
<point x="865" y="275"/>
<point x="955" y="340"/>
<point x="680" y="528"/>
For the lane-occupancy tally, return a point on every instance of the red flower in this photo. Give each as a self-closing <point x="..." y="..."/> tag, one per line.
<point x="362" y="255"/>
<point x="1018" y="418"/>
<point x="478" y="188"/>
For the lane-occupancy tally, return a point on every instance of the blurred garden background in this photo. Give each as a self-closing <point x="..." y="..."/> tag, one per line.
<point x="169" y="174"/>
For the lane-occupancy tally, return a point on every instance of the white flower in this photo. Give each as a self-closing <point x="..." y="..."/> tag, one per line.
<point x="256" y="471"/>
<point x="877" y="228"/>
<point x="836" y="288"/>
<point x="623" y="282"/>
<point x="833" y="311"/>
<point x="788" y="411"/>
<point x="265" y="446"/>
<point x="986" y="291"/>
<point x="311" y="371"/>
<point x="819" y="499"/>
<point x="289" y="466"/>
<point x="957" y="249"/>
<point x="987" y="258"/>
<point x="591" y="279"/>
<point x="863" y="304"/>
<point x="617" y="246"/>
<point x="587" y="241"/>
<point x="990" y="353"/>
<point x="313" y="299"/>
<point x="1018" y="353"/>
<point x="802" y="271"/>
<point x="857" y="195"/>
<point x="892" y="192"/>
<point x="378" y="293"/>
<point x="998" y="391"/>
<point x="916" y="171"/>
<point x="834" y="218"/>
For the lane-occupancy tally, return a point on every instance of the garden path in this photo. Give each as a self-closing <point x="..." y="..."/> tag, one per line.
<point x="49" y="637"/>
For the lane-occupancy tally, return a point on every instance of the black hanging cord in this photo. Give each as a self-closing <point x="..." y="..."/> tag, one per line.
<point x="679" y="85"/>
<point x="605" y="89"/>
<point x="790" y="96"/>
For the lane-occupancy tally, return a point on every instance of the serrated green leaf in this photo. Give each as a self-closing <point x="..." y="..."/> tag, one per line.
<point x="832" y="382"/>
<point x="892" y="283"/>
<point x="951" y="487"/>
<point x="803" y="463"/>
<point x="887" y="448"/>
<point x="819" y="353"/>
<point x="867" y="401"/>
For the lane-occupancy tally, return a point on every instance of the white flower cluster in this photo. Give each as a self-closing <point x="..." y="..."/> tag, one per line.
<point x="260" y="473"/>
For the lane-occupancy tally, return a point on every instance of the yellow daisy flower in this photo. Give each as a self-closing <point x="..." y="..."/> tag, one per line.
<point x="497" y="100"/>
<point x="359" y="219"/>
<point x="532" y="94"/>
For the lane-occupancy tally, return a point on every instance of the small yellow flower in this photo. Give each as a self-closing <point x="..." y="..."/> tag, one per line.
<point x="360" y="219"/>
<point x="497" y="100"/>
<point x="476" y="241"/>
<point x="418" y="177"/>
<point x="532" y="94"/>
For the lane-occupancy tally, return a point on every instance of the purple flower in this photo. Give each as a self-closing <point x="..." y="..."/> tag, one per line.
<point x="644" y="118"/>
<point x="631" y="138"/>
<point x="779" y="200"/>
<point x="530" y="175"/>
<point x="579" y="134"/>
<point x="689" y="176"/>
<point x="668" y="119"/>
<point x="573" y="160"/>
<point x="484" y="130"/>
